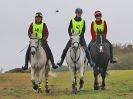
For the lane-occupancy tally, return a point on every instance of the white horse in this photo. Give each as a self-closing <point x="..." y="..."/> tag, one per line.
<point x="40" y="65"/>
<point x="76" y="60"/>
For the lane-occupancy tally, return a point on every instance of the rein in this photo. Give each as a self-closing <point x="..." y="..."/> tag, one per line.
<point x="37" y="44"/>
<point x="75" y="61"/>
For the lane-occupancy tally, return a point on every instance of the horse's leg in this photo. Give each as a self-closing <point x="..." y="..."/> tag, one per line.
<point x="73" y="80"/>
<point x="40" y="80"/>
<point x="81" y="78"/>
<point x="103" y="74"/>
<point x="96" y="84"/>
<point x="46" y="79"/>
<point x="35" y="86"/>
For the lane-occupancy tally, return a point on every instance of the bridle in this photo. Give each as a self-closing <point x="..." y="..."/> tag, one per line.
<point x="75" y="43"/>
<point x="36" y="47"/>
<point x="100" y="46"/>
<point x="75" y="51"/>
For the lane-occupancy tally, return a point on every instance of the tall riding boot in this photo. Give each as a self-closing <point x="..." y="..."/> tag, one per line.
<point x="49" y="53"/>
<point x="64" y="53"/>
<point x="112" y="59"/>
<point x="62" y="58"/>
<point x="89" y="57"/>
<point x="27" y="59"/>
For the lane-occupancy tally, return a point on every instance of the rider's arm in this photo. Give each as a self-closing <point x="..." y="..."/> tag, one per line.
<point x="30" y="30"/>
<point x="45" y="33"/>
<point x="69" y="28"/>
<point x="93" y="34"/>
<point x="105" y="29"/>
<point x="83" y="30"/>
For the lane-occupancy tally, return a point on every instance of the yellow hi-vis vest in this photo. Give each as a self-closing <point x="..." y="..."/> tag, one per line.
<point x="99" y="27"/>
<point x="77" y="26"/>
<point x="38" y="29"/>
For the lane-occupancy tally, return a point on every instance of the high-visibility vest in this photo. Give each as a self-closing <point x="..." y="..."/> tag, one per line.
<point x="99" y="27"/>
<point x="77" y="26"/>
<point x="38" y="29"/>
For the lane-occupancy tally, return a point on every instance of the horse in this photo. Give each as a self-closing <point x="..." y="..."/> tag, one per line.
<point x="100" y="53"/>
<point x="40" y="65"/>
<point x="76" y="61"/>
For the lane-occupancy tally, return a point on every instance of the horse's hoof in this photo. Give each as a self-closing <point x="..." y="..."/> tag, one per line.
<point x="47" y="91"/>
<point x="39" y="90"/>
<point x="96" y="88"/>
<point x="103" y="88"/>
<point x="35" y="87"/>
<point x="80" y="89"/>
<point x="74" y="92"/>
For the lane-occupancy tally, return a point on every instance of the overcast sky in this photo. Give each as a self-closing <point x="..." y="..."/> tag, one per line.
<point x="17" y="15"/>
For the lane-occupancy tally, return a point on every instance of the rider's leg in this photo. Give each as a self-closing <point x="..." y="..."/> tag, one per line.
<point x="112" y="59"/>
<point x="83" y="43"/>
<point x="49" y="53"/>
<point x="64" y="53"/>
<point x="27" y="59"/>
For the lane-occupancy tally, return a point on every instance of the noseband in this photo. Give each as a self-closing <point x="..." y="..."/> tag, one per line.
<point x="75" y="43"/>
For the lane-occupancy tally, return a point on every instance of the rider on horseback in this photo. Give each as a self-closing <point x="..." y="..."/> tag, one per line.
<point x="42" y="33"/>
<point x="77" y="25"/>
<point x="101" y="25"/>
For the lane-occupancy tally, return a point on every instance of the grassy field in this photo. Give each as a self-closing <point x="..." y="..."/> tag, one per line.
<point x="18" y="86"/>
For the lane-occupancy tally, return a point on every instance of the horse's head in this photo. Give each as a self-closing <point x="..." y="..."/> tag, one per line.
<point x="100" y="40"/>
<point x="34" y="43"/>
<point x="75" y="39"/>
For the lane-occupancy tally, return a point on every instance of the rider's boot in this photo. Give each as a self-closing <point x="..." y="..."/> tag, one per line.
<point x="62" y="58"/>
<point x="112" y="59"/>
<point x="89" y="57"/>
<point x="27" y="59"/>
<point x="64" y="53"/>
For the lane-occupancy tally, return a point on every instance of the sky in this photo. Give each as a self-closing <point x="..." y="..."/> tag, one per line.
<point x="17" y="15"/>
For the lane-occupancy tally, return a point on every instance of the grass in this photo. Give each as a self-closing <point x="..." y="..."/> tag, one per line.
<point x="18" y="86"/>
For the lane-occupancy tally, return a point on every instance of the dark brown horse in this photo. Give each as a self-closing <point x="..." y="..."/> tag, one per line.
<point x="100" y="53"/>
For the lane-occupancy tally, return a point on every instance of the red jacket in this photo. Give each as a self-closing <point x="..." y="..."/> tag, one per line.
<point x="93" y="34"/>
<point x="45" y="31"/>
